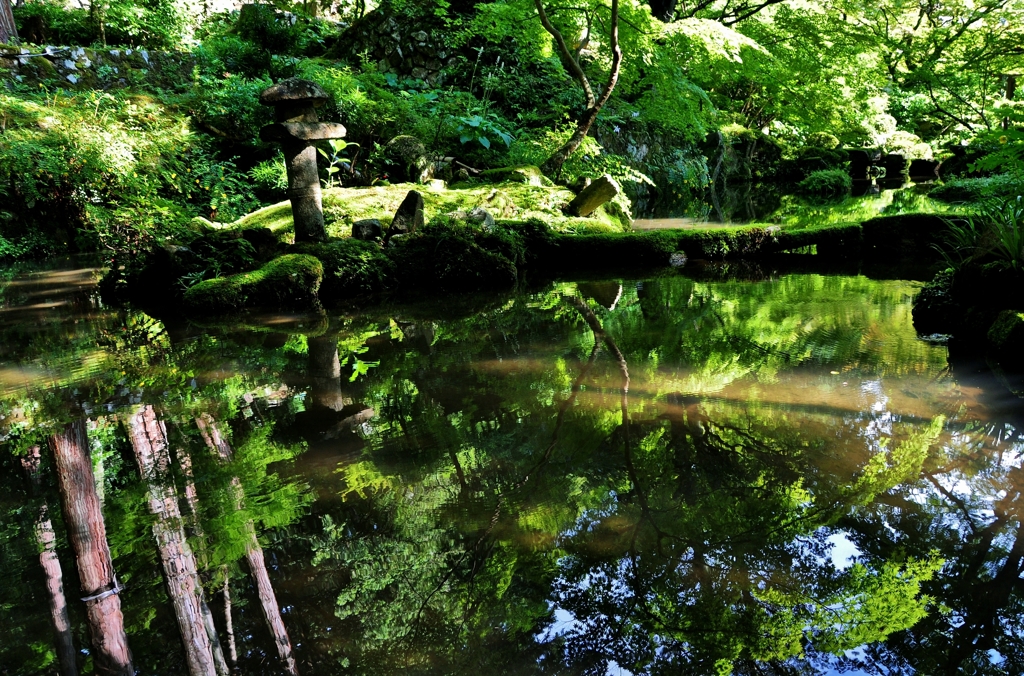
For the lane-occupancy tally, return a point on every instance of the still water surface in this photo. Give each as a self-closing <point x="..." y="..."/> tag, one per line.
<point x="669" y="475"/>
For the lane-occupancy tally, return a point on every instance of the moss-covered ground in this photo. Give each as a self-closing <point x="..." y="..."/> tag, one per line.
<point x="508" y="200"/>
<point x="452" y="254"/>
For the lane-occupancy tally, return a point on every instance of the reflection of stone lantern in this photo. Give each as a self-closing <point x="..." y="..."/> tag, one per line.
<point x="295" y="127"/>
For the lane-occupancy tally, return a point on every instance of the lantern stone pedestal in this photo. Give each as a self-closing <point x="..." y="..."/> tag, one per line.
<point x="296" y="126"/>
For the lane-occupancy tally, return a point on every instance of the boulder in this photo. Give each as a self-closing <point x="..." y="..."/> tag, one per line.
<point x="368" y="230"/>
<point x="895" y="165"/>
<point x="926" y="170"/>
<point x="481" y="217"/>
<point x="288" y="282"/>
<point x="408" y="159"/>
<point x="409" y="217"/>
<point x="1007" y="332"/>
<point x="593" y="196"/>
<point x="861" y="161"/>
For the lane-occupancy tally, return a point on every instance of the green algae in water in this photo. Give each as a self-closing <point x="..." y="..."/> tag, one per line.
<point x="790" y="474"/>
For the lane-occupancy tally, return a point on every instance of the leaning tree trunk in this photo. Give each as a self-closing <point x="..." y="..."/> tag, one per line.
<point x="86" y="530"/>
<point x="47" y="542"/>
<point x="553" y="165"/>
<point x="149" y="441"/>
<point x="7" y="28"/>
<point x="253" y="552"/>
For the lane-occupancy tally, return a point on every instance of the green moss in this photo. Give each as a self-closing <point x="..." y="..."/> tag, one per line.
<point x="528" y="174"/>
<point x="508" y="201"/>
<point x="351" y="267"/>
<point x="1007" y="330"/>
<point x="450" y="255"/>
<point x="277" y="218"/>
<point x="286" y="282"/>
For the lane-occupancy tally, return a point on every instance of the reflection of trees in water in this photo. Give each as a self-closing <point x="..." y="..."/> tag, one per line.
<point x="83" y="518"/>
<point x="202" y="647"/>
<point x="47" y="543"/>
<point x="505" y="470"/>
<point x="967" y="507"/>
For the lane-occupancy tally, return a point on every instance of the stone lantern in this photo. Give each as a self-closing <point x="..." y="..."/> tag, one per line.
<point x="296" y="127"/>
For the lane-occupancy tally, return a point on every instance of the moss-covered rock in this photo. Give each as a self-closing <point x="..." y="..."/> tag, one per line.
<point x="277" y="218"/>
<point x="505" y="201"/>
<point x="528" y="175"/>
<point x="287" y="282"/>
<point x="1007" y="330"/>
<point x="904" y="235"/>
<point x="351" y="268"/>
<point x="452" y="255"/>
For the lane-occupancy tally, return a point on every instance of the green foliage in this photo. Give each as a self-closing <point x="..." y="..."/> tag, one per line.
<point x="977" y="189"/>
<point x="823" y="140"/>
<point x="65" y="26"/>
<point x="154" y="24"/>
<point x="826" y="183"/>
<point x="1006" y="219"/>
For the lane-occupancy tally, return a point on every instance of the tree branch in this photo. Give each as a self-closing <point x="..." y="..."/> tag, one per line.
<point x="563" y="49"/>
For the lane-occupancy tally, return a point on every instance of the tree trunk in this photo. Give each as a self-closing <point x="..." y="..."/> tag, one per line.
<point x="47" y="542"/>
<point x="325" y="371"/>
<point x="229" y="625"/>
<point x="553" y="165"/>
<point x="192" y="499"/>
<point x="253" y="552"/>
<point x="149" y="441"/>
<point x="7" y="28"/>
<point x="84" y="520"/>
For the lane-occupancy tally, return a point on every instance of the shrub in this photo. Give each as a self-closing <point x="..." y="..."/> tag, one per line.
<point x="826" y="183"/>
<point x="977" y="189"/>
<point x="823" y="140"/>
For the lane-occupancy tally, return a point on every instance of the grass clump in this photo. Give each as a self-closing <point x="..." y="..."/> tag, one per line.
<point x="292" y="280"/>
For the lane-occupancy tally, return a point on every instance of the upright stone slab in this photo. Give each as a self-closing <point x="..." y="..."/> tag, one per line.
<point x="593" y="196"/>
<point x="409" y="217"/>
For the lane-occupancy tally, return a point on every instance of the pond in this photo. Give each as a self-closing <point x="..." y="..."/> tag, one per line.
<point x="778" y="204"/>
<point x="696" y="472"/>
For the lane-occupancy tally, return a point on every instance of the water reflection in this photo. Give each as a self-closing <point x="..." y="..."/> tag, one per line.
<point x="769" y="204"/>
<point x="660" y="476"/>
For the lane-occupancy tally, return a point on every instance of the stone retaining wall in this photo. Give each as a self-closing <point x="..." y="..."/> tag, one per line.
<point x="87" y="68"/>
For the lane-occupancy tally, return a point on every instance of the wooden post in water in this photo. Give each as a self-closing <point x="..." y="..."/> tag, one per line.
<point x="253" y="551"/>
<point x="149" y="441"/>
<point x="47" y="542"/>
<point x="86" y="530"/>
